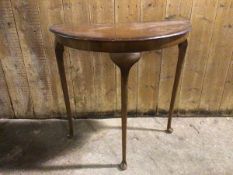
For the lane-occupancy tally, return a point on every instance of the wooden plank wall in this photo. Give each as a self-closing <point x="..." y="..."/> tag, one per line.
<point x="30" y="85"/>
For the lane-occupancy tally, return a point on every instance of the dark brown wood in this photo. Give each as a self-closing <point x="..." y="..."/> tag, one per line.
<point x="123" y="31"/>
<point x="124" y="42"/>
<point x="116" y="38"/>
<point x="59" y="50"/>
<point x="182" y="51"/>
<point x="124" y="61"/>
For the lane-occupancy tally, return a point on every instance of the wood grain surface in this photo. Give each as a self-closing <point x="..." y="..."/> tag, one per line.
<point x="29" y="81"/>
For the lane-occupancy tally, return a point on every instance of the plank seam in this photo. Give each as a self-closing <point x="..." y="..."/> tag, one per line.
<point x="115" y="67"/>
<point x="47" y="63"/>
<point x="138" y="67"/>
<point x="91" y="54"/>
<point x="162" y="54"/>
<point x="185" y="63"/>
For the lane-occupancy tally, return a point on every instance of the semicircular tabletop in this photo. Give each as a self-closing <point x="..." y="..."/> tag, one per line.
<point x="121" y="33"/>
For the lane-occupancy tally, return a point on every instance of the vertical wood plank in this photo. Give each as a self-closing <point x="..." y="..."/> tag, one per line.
<point x="221" y="49"/>
<point x="175" y="10"/>
<point x="149" y="64"/>
<point x="12" y="63"/>
<point x="76" y="12"/>
<point x="102" y="11"/>
<point x="51" y="12"/>
<point x="29" y="81"/>
<point x="203" y="16"/>
<point x="6" y="110"/>
<point x="226" y="105"/>
<point x="28" y="25"/>
<point x="153" y="10"/>
<point x="128" y="11"/>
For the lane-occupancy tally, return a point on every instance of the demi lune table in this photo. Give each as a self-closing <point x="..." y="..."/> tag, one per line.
<point x="124" y="42"/>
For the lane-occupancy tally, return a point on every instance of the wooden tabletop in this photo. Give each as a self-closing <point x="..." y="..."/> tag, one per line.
<point x="102" y="37"/>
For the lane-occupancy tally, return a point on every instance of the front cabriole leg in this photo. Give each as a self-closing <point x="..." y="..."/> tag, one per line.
<point x="124" y="61"/>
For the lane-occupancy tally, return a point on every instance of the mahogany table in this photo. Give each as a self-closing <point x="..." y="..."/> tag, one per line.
<point x="124" y="42"/>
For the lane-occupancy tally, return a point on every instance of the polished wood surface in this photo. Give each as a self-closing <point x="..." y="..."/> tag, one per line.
<point x="124" y="42"/>
<point x="114" y="37"/>
<point x="123" y="31"/>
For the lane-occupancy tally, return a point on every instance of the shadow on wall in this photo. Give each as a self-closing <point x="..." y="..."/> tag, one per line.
<point x="27" y="144"/>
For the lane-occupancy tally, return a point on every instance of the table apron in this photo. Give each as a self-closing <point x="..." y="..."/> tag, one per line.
<point x="121" y="46"/>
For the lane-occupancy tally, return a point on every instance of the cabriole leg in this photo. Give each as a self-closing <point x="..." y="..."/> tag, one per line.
<point x="59" y="49"/>
<point x="124" y="61"/>
<point x="182" y="51"/>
